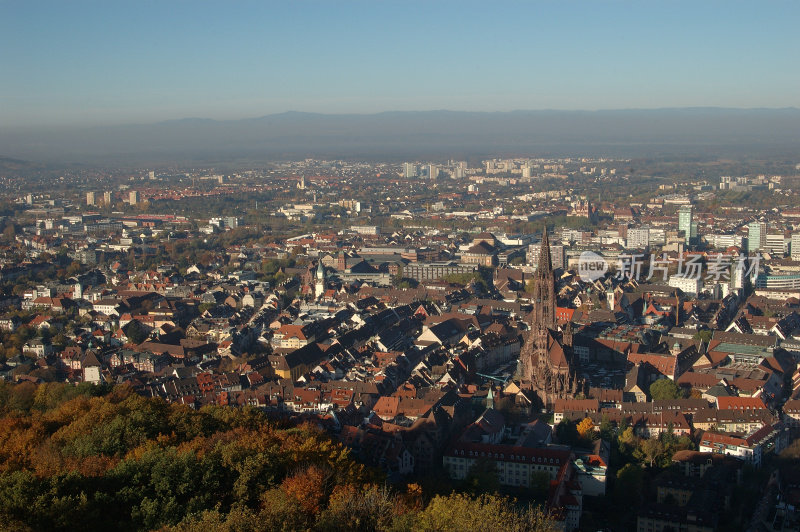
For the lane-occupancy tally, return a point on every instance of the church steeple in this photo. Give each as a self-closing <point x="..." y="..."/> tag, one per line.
<point x="319" y="287"/>
<point x="546" y="356"/>
<point x="544" y="299"/>
<point x="545" y="263"/>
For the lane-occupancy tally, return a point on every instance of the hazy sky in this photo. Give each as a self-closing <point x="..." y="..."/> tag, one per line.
<point x="115" y="61"/>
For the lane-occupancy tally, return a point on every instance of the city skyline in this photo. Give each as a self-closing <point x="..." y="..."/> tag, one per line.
<point x="90" y="63"/>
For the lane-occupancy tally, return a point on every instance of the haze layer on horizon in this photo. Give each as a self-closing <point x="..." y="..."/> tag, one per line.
<point x="107" y="63"/>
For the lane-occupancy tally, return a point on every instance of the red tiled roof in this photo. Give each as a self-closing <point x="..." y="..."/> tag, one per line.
<point x="740" y="403"/>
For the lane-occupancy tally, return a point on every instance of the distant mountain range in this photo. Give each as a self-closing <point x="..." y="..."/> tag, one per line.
<point x="423" y="134"/>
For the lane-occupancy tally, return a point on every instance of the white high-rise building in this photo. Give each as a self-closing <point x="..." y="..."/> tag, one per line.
<point x="720" y="241"/>
<point x="90" y="198"/>
<point x="795" y="246"/>
<point x="756" y="236"/>
<point x="775" y="244"/>
<point x="688" y="285"/>
<point x="409" y="170"/>
<point x="556" y="254"/>
<point x="638" y="238"/>
<point x="433" y="171"/>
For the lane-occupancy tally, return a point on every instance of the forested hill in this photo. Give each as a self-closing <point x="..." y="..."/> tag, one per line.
<point x="409" y="134"/>
<point x="90" y="458"/>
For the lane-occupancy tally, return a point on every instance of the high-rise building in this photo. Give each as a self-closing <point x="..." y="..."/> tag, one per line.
<point x="409" y="170"/>
<point x="795" y="246"/>
<point x="433" y="171"/>
<point x="556" y="254"/>
<point x="107" y="198"/>
<point x="638" y="238"/>
<point x="775" y="244"/>
<point x="685" y="223"/>
<point x="90" y="200"/>
<point x="756" y="236"/>
<point x="133" y="197"/>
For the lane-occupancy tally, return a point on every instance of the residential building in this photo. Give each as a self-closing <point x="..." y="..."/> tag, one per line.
<point x="775" y="245"/>
<point x="557" y="255"/>
<point x="688" y="285"/>
<point x="794" y="246"/>
<point x="427" y="271"/>
<point x="750" y="448"/>
<point x="638" y="238"/>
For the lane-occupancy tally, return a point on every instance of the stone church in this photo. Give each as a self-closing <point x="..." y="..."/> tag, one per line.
<point x="546" y="361"/>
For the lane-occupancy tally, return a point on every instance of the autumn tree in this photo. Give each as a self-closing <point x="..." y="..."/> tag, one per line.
<point x="628" y="442"/>
<point x="368" y="508"/>
<point x="458" y="512"/>
<point x="586" y="429"/>
<point x="308" y="487"/>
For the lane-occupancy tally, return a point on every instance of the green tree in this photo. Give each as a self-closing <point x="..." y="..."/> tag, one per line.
<point x="567" y="432"/>
<point x="628" y="441"/>
<point x="629" y="484"/>
<point x="9" y="233"/>
<point x="606" y="429"/>
<point x="704" y="336"/>
<point x="540" y="483"/>
<point x="482" y="476"/>
<point x="135" y="332"/>
<point x="650" y="450"/>
<point x="663" y="389"/>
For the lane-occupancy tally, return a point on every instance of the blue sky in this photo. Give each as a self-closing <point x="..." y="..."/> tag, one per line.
<point x="109" y="62"/>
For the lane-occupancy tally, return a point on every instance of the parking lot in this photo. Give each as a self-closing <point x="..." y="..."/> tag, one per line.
<point x="603" y="374"/>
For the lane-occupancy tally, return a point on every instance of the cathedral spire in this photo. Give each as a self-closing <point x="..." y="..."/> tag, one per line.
<point x="546" y="357"/>
<point x="545" y="264"/>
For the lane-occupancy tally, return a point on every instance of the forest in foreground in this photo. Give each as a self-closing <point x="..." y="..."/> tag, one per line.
<point x="101" y="458"/>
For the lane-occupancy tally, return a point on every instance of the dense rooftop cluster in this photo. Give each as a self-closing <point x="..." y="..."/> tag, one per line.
<point x="390" y="306"/>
